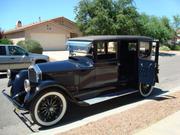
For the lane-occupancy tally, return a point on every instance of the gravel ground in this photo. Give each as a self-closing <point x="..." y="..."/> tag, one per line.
<point x="132" y="120"/>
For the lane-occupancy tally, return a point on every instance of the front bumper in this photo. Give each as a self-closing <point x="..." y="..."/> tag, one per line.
<point x="13" y="100"/>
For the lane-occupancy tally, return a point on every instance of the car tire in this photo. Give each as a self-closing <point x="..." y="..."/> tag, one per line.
<point x="145" y="90"/>
<point x="48" y="108"/>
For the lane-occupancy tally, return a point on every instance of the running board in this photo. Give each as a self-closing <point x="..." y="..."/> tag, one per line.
<point x="109" y="96"/>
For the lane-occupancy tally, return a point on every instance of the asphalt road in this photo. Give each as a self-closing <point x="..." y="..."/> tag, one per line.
<point x="169" y="79"/>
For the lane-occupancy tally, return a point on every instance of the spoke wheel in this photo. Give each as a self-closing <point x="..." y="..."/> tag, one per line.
<point x="48" y="108"/>
<point x="145" y="89"/>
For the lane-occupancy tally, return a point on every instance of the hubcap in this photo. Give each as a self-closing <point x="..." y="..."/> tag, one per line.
<point x="145" y="89"/>
<point x="50" y="108"/>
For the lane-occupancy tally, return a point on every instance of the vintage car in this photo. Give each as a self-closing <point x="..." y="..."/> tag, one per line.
<point x="99" y="68"/>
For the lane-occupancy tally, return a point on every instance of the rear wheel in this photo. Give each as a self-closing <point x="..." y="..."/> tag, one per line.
<point x="145" y="89"/>
<point x="48" y="108"/>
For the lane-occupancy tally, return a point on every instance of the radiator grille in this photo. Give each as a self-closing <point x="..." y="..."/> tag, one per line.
<point x="32" y="75"/>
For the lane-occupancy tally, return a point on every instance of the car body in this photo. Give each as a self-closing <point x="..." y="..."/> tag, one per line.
<point x="15" y="57"/>
<point x="99" y="68"/>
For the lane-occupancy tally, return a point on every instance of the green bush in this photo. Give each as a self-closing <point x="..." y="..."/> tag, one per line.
<point x="175" y="47"/>
<point x="31" y="46"/>
<point x="5" y="41"/>
<point x="164" y="48"/>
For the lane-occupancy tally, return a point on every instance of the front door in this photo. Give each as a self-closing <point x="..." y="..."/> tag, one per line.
<point x="18" y="58"/>
<point x="106" y="66"/>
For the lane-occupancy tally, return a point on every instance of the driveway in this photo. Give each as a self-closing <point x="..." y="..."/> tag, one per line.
<point x="11" y="124"/>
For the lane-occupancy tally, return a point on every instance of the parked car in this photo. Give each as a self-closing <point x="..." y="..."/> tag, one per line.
<point x="15" y="57"/>
<point x="99" y="68"/>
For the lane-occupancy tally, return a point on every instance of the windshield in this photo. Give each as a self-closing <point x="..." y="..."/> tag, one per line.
<point x="79" y="48"/>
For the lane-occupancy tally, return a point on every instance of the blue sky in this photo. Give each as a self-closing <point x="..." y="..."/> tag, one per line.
<point x="28" y="11"/>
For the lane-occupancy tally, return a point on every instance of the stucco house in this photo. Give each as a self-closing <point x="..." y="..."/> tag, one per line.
<point x="178" y="36"/>
<point x="51" y="34"/>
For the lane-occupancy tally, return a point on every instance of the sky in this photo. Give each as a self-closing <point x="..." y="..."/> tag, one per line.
<point x="28" y="11"/>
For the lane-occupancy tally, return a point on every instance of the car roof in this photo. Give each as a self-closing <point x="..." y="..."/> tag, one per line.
<point x="111" y="38"/>
<point x="7" y="45"/>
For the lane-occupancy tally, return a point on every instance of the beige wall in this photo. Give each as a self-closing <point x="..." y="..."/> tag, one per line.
<point x="16" y="37"/>
<point x="51" y="35"/>
<point x="50" y="42"/>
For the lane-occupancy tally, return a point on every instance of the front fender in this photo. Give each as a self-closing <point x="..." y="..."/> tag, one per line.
<point x="43" y="85"/>
<point x="14" y="72"/>
<point x="18" y="82"/>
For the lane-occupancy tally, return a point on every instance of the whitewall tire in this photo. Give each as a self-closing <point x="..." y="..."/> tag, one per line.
<point x="48" y="108"/>
<point x="145" y="89"/>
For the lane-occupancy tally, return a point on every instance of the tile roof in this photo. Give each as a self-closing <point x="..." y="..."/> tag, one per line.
<point x="24" y="27"/>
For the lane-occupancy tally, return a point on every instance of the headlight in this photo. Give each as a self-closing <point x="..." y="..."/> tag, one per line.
<point x="8" y="73"/>
<point x="27" y="86"/>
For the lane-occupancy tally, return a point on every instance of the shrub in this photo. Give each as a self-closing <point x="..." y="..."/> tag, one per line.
<point x="175" y="47"/>
<point x="5" y="41"/>
<point x="31" y="46"/>
<point x="164" y="48"/>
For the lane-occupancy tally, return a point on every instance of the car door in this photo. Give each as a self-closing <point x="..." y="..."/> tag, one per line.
<point x="106" y="66"/>
<point x="3" y="58"/>
<point x="147" y="65"/>
<point x="18" y="58"/>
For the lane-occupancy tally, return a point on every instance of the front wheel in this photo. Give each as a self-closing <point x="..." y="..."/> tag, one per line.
<point x="48" y="108"/>
<point x="145" y="89"/>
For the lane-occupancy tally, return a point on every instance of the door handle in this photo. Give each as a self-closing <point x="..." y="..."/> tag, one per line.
<point x="12" y="58"/>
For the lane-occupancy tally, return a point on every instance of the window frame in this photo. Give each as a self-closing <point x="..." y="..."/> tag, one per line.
<point x="4" y="51"/>
<point x="144" y="56"/>
<point x="97" y="60"/>
<point x="17" y="48"/>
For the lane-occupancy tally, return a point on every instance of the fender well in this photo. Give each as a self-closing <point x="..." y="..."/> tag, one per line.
<point x="18" y="82"/>
<point x="45" y="85"/>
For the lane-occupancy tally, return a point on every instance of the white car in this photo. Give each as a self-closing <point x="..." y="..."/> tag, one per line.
<point x="15" y="57"/>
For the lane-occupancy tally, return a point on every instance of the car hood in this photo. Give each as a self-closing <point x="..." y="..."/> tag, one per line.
<point x="66" y="65"/>
<point x="35" y="55"/>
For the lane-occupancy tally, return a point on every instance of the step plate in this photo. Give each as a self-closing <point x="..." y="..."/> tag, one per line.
<point x="109" y="96"/>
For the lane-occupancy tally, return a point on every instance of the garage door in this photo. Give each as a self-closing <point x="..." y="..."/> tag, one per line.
<point x="50" y="41"/>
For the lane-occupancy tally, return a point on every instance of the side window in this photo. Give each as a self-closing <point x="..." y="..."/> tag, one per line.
<point x="14" y="50"/>
<point x="132" y="46"/>
<point x="100" y="48"/>
<point x="112" y="47"/>
<point x="2" y="50"/>
<point x="144" y="49"/>
<point x="106" y="50"/>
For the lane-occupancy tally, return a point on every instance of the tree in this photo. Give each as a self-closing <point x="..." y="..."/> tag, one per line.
<point x="1" y="33"/>
<point x="176" y="22"/>
<point x="100" y="17"/>
<point x="158" y="28"/>
<point x="111" y="17"/>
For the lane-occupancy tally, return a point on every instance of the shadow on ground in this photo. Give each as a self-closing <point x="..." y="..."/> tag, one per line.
<point x="75" y="112"/>
<point x="164" y="54"/>
<point x="3" y="75"/>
